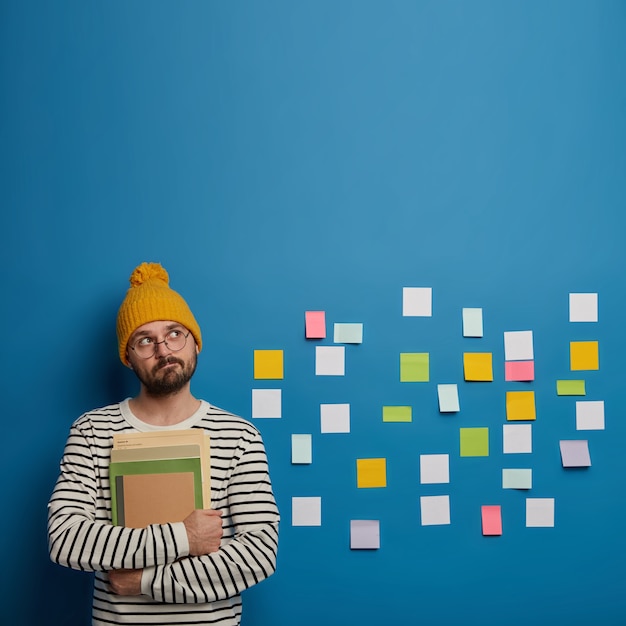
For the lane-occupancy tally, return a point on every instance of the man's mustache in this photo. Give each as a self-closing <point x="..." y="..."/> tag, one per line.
<point x="166" y="361"/>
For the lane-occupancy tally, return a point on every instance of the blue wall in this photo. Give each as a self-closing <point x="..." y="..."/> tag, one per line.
<point x="283" y="156"/>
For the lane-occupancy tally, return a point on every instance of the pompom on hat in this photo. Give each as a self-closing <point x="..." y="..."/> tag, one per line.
<point x="150" y="299"/>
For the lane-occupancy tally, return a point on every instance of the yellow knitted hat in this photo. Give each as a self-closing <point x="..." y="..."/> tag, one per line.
<point x="150" y="299"/>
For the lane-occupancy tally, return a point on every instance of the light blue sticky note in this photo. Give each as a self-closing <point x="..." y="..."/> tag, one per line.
<point x="472" y="322"/>
<point x="348" y="333"/>
<point x="448" y="398"/>
<point x="517" y="479"/>
<point x="301" y="449"/>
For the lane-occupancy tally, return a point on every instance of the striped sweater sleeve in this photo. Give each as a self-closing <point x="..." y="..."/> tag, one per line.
<point x="80" y="533"/>
<point x="249" y="545"/>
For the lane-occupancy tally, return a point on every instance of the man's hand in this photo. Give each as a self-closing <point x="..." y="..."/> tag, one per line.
<point x="204" y="530"/>
<point x="125" y="582"/>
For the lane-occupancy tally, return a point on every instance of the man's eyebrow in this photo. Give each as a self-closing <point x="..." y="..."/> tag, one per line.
<point x="147" y="333"/>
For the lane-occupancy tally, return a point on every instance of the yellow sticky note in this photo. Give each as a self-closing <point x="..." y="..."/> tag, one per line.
<point x="371" y="473"/>
<point x="583" y="355"/>
<point x="520" y="405"/>
<point x="478" y="366"/>
<point x="268" y="364"/>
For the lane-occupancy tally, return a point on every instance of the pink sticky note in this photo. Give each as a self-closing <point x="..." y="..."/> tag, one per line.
<point x="315" y="324"/>
<point x="519" y="370"/>
<point x="492" y="520"/>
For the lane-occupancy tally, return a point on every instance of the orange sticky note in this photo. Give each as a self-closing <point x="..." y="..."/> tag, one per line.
<point x="478" y="366"/>
<point x="583" y="355"/>
<point x="371" y="473"/>
<point x="492" y="520"/>
<point x="268" y="364"/>
<point x="315" y="324"/>
<point x="520" y="405"/>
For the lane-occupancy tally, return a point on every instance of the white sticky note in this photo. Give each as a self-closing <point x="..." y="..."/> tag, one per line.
<point x="575" y="453"/>
<point x="472" y="322"/>
<point x="539" y="512"/>
<point x="266" y="403"/>
<point x="301" y="449"/>
<point x="435" y="510"/>
<point x="517" y="439"/>
<point x="335" y="418"/>
<point x="518" y="345"/>
<point x="348" y="333"/>
<point x="583" y="307"/>
<point x="330" y="361"/>
<point x="517" y="479"/>
<point x="590" y="415"/>
<point x="417" y="301"/>
<point x="306" y="511"/>
<point x="364" y="534"/>
<point x="448" y="398"/>
<point x="434" y="469"/>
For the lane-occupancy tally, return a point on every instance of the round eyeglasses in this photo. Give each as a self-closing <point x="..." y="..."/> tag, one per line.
<point x="145" y="347"/>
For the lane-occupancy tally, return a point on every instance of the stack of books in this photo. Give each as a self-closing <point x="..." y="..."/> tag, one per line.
<point x="159" y="477"/>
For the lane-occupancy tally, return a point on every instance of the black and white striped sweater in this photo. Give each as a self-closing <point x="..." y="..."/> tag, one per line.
<point x="176" y="588"/>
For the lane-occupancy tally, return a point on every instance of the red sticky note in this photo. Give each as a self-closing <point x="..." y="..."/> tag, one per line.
<point x="492" y="520"/>
<point x="315" y="324"/>
<point x="519" y="370"/>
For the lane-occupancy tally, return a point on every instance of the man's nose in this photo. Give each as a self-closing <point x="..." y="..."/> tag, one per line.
<point x="161" y="349"/>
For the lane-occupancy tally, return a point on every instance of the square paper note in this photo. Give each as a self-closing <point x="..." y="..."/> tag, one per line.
<point x="583" y="307"/>
<point x="539" y="512"/>
<point x="417" y="302"/>
<point x="520" y="405"/>
<point x="590" y="415"/>
<point x="371" y="473"/>
<point x="266" y="403"/>
<point x="364" y="534"/>
<point x="330" y="361"/>
<point x="518" y="345"/>
<point x="584" y="355"/>
<point x="434" y="469"/>
<point x="335" y="418"/>
<point x="435" y="510"/>
<point x="414" y="367"/>
<point x="517" y="439"/>
<point x="478" y="366"/>
<point x="474" y="441"/>
<point x="268" y="364"/>
<point x="306" y="511"/>
<point x="575" y="453"/>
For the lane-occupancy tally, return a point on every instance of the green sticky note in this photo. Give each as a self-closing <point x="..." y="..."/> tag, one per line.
<point x="474" y="441"/>
<point x="397" y="414"/>
<point x="414" y="367"/>
<point x="570" y="387"/>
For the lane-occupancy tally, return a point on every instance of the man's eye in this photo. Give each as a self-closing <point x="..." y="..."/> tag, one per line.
<point x="174" y="334"/>
<point x="145" y="341"/>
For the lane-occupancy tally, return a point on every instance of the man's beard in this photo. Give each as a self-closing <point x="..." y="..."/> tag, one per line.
<point x="172" y="380"/>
